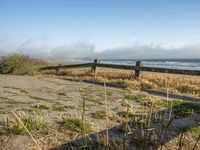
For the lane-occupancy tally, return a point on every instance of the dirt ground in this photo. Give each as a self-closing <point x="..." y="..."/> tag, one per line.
<point x="22" y="93"/>
<point x="26" y="93"/>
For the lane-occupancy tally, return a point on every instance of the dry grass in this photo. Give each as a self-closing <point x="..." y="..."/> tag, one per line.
<point x="181" y="84"/>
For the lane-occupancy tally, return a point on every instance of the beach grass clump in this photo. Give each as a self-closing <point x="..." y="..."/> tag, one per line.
<point x="176" y="103"/>
<point x="147" y="100"/>
<point x="135" y="97"/>
<point x="19" y="64"/>
<point x="35" y="124"/>
<point x="195" y="131"/>
<point x="62" y="108"/>
<point x="101" y="114"/>
<point x="4" y="112"/>
<point x="185" y="108"/>
<point x="123" y="114"/>
<point x="75" y="124"/>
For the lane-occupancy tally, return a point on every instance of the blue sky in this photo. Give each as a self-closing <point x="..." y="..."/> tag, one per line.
<point x="104" y="24"/>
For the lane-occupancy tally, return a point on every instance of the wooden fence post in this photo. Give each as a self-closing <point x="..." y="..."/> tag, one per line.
<point x="94" y="67"/>
<point x="137" y="69"/>
<point x="57" y="69"/>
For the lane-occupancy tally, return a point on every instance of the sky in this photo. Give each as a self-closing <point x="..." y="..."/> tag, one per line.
<point x="67" y="29"/>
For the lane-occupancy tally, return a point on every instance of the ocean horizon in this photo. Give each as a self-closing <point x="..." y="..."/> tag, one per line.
<point x="188" y="64"/>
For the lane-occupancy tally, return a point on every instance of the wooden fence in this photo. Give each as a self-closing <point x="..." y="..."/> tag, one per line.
<point x="138" y="67"/>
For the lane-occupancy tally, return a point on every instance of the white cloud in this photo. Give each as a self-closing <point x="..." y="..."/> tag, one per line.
<point x="79" y="49"/>
<point x="151" y="52"/>
<point x="82" y="49"/>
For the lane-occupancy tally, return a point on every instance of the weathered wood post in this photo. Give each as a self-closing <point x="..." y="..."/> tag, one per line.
<point x="57" y="69"/>
<point x="137" y="69"/>
<point x="94" y="67"/>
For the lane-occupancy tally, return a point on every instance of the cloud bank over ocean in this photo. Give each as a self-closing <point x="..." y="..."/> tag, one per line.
<point x="151" y="52"/>
<point x="82" y="49"/>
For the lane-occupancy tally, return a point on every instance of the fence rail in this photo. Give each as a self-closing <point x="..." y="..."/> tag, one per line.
<point x="67" y="66"/>
<point x="138" y="67"/>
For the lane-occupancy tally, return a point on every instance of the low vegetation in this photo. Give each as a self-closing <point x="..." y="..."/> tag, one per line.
<point x="75" y="124"/>
<point x="20" y="64"/>
<point x="185" y="108"/>
<point x="179" y="84"/>
<point x="195" y="131"/>
<point x="35" y="124"/>
<point x="136" y="97"/>
<point x="101" y="114"/>
<point x="62" y="107"/>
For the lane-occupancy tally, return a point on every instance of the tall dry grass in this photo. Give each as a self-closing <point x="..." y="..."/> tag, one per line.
<point x="180" y="84"/>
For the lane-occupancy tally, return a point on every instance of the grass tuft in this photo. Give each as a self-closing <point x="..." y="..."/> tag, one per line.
<point x="35" y="124"/>
<point x="62" y="108"/>
<point x="101" y="114"/>
<point x="185" y="108"/>
<point x="195" y="131"/>
<point x="135" y="97"/>
<point x="75" y="124"/>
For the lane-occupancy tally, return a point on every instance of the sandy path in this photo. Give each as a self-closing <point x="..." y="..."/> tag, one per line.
<point x="24" y="93"/>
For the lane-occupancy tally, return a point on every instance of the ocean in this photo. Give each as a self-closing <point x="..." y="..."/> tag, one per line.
<point x="188" y="64"/>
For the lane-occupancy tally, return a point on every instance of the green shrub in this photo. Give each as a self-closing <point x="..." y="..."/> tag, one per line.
<point x="19" y="64"/>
